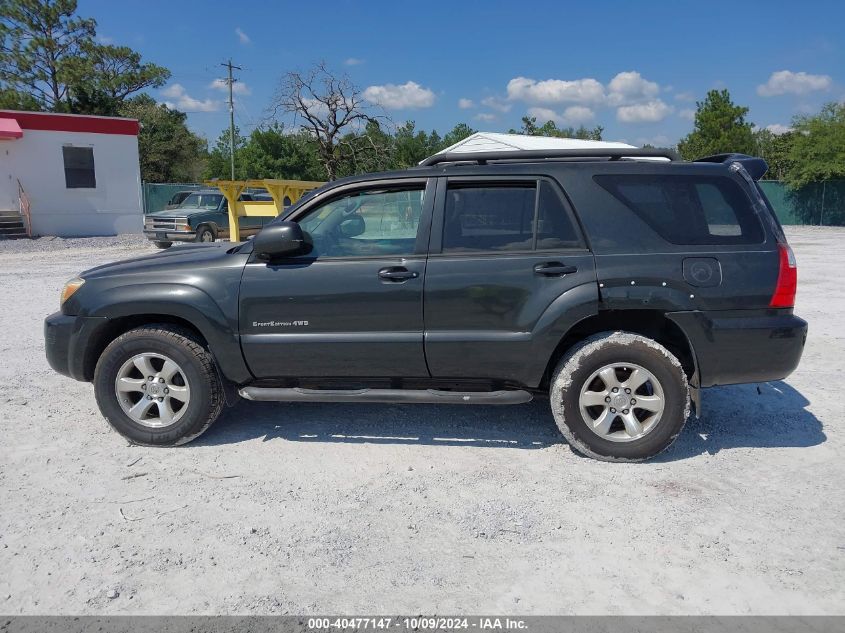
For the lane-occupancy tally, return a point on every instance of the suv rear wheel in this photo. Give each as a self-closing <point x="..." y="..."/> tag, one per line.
<point x="157" y="386"/>
<point x="619" y="396"/>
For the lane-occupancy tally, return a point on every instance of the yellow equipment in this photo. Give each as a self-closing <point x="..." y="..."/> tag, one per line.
<point x="293" y="190"/>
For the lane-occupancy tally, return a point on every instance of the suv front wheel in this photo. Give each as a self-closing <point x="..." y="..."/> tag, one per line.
<point x="619" y="396"/>
<point x="158" y="386"/>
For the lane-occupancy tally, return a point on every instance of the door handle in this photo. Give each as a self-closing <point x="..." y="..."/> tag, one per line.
<point x="554" y="268"/>
<point x="397" y="273"/>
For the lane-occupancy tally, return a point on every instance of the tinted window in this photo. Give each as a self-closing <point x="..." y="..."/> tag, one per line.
<point x="688" y="209"/>
<point x="504" y="217"/>
<point x="79" y="167"/>
<point x="366" y="224"/>
<point x="489" y="218"/>
<point x="554" y="227"/>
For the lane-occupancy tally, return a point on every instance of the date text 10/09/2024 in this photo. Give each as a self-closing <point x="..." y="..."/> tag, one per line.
<point x="419" y="623"/>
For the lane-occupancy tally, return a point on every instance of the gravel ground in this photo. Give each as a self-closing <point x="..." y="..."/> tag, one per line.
<point x="319" y="508"/>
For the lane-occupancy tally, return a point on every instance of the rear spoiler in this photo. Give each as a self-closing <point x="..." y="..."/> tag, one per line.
<point x="755" y="166"/>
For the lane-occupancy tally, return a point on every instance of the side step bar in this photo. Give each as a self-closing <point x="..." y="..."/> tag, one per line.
<point x="298" y="394"/>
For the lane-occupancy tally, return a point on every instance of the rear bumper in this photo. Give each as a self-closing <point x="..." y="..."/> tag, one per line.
<point x="66" y="342"/>
<point x="732" y="347"/>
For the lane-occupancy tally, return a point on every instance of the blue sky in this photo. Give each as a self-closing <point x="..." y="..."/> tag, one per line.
<point x="636" y="68"/>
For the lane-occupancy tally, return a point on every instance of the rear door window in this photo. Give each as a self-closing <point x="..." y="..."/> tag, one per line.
<point x="517" y="216"/>
<point x="689" y="210"/>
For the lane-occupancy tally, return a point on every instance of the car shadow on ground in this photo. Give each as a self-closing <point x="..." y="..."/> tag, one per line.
<point x="768" y="415"/>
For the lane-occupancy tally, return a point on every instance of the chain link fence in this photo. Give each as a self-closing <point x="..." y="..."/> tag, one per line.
<point x="158" y="195"/>
<point x="820" y="204"/>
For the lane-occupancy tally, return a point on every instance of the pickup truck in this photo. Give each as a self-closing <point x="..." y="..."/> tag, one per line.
<point x="203" y="216"/>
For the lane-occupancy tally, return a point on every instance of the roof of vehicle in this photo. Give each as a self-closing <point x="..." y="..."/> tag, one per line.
<point x="494" y="141"/>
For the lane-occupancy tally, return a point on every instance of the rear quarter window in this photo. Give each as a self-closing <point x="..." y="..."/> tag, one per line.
<point x="686" y="209"/>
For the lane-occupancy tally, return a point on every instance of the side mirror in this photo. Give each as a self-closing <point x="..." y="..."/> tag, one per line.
<point x="279" y="239"/>
<point x="353" y="226"/>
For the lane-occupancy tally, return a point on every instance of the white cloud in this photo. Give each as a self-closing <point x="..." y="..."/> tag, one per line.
<point x="243" y="37"/>
<point x="688" y="114"/>
<point x="787" y="82"/>
<point x="183" y="101"/>
<point x="494" y="103"/>
<point x="630" y="87"/>
<point x="778" y="128"/>
<point x="685" y="96"/>
<point x="398" y="97"/>
<point x="353" y="61"/>
<point x="573" y="115"/>
<point x="238" y="87"/>
<point x="553" y="91"/>
<point x="544" y="114"/>
<point x="578" y="114"/>
<point x="465" y="104"/>
<point x="487" y="117"/>
<point x="650" y="112"/>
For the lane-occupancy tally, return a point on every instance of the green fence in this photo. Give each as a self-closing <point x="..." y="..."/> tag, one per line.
<point x="821" y="203"/>
<point x="157" y="195"/>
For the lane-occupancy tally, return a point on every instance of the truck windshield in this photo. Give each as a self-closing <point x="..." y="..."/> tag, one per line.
<point x="202" y="201"/>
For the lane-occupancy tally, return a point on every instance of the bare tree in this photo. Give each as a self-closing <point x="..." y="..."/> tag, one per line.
<point x="330" y="108"/>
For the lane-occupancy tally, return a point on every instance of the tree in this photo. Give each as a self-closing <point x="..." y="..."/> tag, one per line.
<point x="49" y="55"/>
<point x="720" y="127"/>
<point x="169" y="151"/>
<point x="329" y="106"/>
<point x="550" y="128"/>
<point x="775" y="149"/>
<point x="456" y="134"/>
<point x="817" y="152"/>
<point x="106" y="75"/>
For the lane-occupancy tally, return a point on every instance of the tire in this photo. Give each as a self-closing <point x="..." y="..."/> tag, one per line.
<point x="163" y="244"/>
<point x="597" y="427"/>
<point x="184" y="416"/>
<point x="205" y="233"/>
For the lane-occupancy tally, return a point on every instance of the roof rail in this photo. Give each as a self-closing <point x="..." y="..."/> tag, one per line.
<point x="756" y="167"/>
<point x="612" y="153"/>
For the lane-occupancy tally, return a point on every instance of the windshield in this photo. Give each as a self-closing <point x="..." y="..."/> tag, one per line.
<point x="202" y="201"/>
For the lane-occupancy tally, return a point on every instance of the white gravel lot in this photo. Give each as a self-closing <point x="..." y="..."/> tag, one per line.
<point x="319" y="508"/>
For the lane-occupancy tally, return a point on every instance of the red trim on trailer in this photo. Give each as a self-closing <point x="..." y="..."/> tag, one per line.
<point x="73" y="122"/>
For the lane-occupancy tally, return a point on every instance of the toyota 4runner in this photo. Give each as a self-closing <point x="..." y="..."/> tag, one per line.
<point x="617" y="283"/>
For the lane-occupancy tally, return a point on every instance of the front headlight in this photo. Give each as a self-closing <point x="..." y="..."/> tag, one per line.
<point x="70" y="287"/>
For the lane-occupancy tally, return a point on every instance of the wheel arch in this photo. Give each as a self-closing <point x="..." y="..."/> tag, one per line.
<point x="650" y="323"/>
<point x="175" y="304"/>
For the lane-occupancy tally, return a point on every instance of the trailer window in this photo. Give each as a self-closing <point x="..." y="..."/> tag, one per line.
<point x="79" y="167"/>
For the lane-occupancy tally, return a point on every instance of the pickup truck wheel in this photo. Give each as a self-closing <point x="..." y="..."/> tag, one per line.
<point x="619" y="396"/>
<point x="205" y="234"/>
<point x="163" y="244"/>
<point x="158" y="386"/>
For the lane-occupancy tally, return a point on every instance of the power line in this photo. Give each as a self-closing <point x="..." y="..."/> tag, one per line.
<point x="230" y="81"/>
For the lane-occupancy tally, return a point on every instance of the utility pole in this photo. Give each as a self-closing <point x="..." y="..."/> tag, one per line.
<point x="229" y="82"/>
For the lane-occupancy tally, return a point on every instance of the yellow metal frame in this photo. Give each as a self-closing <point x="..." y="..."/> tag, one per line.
<point x="293" y="190"/>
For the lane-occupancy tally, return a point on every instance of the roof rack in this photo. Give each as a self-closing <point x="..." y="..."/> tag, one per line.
<point x="613" y="153"/>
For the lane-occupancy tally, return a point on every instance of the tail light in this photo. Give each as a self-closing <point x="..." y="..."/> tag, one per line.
<point x="784" y="295"/>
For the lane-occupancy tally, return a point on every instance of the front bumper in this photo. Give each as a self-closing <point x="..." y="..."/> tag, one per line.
<point x="733" y="348"/>
<point x="67" y="342"/>
<point x="170" y="236"/>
